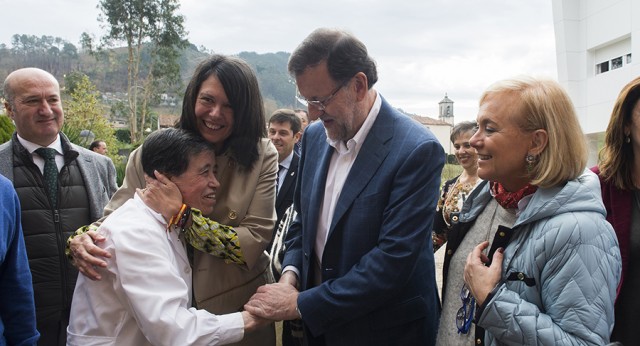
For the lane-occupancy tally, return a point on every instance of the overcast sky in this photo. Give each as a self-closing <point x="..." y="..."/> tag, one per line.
<point x="423" y="48"/>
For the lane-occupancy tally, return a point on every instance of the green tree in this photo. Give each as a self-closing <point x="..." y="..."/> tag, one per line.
<point x="52" y="54"/>
<point x="84" y="112"/>
<point x="154" y="35"/>
<point x="6" y="128"/>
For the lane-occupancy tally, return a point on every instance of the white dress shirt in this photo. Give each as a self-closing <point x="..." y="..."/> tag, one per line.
<point x="343" y="157"/>
<point x="37" y="159"/>
<point x="145" y="292"/>
<point x="283" y="169"/>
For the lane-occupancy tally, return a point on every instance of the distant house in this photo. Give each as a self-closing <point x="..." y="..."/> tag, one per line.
<point x="167" y="120"/>
<point x="119" y="124"/>
<point x="440" y="128"/>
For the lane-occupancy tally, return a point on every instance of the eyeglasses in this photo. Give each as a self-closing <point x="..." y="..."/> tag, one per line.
<point x="464" y="316"/>
<point x="320" y="105"/>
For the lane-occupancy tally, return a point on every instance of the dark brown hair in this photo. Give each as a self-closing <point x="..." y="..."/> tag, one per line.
<point x="616" y="157"/>
<point x="241" y="87"/>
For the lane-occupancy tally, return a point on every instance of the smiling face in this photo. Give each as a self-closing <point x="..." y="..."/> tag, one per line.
<point x="501" y="145"/>
<point x="283" y="138"/>
<point x="36" y="108"/>
<point x="465" y="154"/>
<point x="340" y="118"/>
<point x="198" y="184"/>
<point x="214" y="115"/>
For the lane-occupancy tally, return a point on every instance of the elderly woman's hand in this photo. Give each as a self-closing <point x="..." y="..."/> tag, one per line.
<point x="479" y="278"/>
<point x="161" y="195"/>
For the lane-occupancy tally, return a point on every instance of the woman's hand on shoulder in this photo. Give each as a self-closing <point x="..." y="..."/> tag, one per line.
<point x="86" y="255"/>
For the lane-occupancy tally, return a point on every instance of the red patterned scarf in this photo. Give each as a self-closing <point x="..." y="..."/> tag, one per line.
<point x="509" y="200"/>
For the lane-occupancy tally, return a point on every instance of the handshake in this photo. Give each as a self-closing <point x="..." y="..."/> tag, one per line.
<point x="273" y="302"/>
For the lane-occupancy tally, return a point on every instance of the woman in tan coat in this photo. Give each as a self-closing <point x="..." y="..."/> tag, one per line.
<point x="223" y="104"/>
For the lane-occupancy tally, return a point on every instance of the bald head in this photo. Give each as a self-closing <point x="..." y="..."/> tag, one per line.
<point x="25" y="73"/>
<point x="33" y="103"/>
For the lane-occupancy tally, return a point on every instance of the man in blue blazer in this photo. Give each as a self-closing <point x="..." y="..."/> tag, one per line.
<point x="359" y="267"/>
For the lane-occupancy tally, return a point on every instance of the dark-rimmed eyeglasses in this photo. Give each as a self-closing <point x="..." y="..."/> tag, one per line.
<point x="320" y="105"/>
<point x="464" y="316"/>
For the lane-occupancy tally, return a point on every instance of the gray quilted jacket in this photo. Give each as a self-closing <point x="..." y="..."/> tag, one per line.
<point x="563" y="242"/>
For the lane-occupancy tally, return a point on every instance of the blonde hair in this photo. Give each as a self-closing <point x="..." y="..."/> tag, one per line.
<point x="616" y="157"/>
<point x="547" y="106"/>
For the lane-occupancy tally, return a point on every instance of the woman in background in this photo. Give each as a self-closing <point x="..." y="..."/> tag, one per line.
<point x="619" y="172"/>
<point x="456" y="190"/>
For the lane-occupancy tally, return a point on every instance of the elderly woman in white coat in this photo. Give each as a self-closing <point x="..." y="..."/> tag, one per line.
<point x="144" y="297"/>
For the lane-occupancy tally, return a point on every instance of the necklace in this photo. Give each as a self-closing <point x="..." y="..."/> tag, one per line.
<point x="455" y="198"/>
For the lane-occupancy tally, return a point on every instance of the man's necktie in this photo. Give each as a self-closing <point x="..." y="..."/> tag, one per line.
<point x="280" y="171"/>
<point x="50" y="173"/>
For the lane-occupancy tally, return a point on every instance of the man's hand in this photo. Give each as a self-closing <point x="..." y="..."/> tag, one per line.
<point x="275" y="302"/>
<point x="86" y="255"/>
<point x="479" y="278"/>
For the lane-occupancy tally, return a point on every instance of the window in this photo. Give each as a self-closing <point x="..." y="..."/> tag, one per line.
<point x="602" y="67"/>
<point x="616" y="63"/>
<point x="629" y="58"/>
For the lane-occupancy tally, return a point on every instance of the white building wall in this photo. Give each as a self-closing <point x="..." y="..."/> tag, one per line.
<point x="442" y="133"/>
<point x="588" y="33"/>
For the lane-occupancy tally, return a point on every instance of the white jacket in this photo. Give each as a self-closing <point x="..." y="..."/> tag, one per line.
<point x="144" y="297"/>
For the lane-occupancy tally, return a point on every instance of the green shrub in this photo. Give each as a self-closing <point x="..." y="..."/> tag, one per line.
<point x="6" y="128"/>
<point x="123" y="135"/>
<point x="450" y="171"/>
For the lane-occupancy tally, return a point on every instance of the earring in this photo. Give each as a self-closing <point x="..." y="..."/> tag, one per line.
<point x="531" y="160"/>
<point x="627" y="139"/>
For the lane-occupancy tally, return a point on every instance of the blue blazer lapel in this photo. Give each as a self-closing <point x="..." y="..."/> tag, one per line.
<point x="371" y="156"/>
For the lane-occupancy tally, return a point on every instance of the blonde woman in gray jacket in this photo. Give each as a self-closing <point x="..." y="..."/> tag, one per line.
<point x="541" y="263"/>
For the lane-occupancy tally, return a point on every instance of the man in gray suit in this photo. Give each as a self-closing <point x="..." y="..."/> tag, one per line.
<point x="61" y="187"/>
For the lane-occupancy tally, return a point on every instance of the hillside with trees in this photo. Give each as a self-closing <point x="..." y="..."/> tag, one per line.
<point x="107" y="70"/>
<point x="94" y="86"/>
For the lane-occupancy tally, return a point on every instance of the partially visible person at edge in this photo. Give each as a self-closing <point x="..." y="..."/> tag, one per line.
<point x="17" y="309"/>
<point x="359" y="266"/>
<point x="99" y="147"/>
<point x="61" y="186"/>
<point x="303" y="115"/>
<point x="619" y="172"/>
<point x="122" y="308"/>
<point x="223" y="104"/>
<point x="553" y="264"/>
<point x="456" y="190"/>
